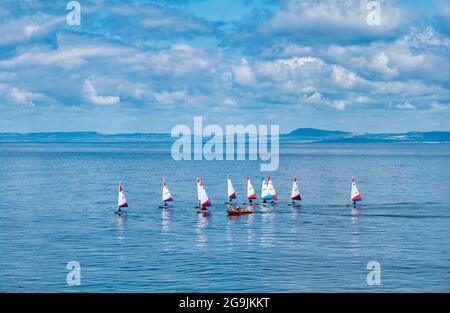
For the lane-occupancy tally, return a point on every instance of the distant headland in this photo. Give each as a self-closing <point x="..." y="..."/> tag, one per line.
<point x="298" y="135"/>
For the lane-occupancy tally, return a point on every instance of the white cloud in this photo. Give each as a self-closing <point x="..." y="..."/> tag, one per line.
<point x="405" y="106"/>
<point x="243" y="73"/>
<point x="337" y="20"/>
<point x="437" y="107"/>
<point x="228" y="102"/>
<point x="166" y="97"/>
<point x="24" y="28"/>
<point x="23" y="97"/>
<point x="91" y="94"/>
<point x="381" y="64"/>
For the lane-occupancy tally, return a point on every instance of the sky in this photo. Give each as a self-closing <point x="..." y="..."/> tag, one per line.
<point x="146" y="66"/>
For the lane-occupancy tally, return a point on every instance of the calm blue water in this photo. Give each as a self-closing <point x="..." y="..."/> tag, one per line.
<point x="58" y="203"/>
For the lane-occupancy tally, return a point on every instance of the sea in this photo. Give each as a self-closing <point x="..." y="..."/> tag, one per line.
<point x="59" y="232"/>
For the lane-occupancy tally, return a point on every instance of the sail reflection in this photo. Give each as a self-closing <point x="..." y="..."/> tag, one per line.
<point x="121" y="220"/>
<point x="267" y="229"/>
<point x="355" y="245"/>
<point x="202" y="223"/>
<point x="165" y="223"/>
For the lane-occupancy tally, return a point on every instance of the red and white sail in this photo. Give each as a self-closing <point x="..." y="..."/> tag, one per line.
<point x="204" y="199"/>
<point x="355" y="196"/>
<point x="271" y="188"/>
<point x="231" y="193"/>
<point x="166" y="196"/>
<point x="251" y="194"/>
<point x="295" y="194"/>
<point x="122" y="202"/>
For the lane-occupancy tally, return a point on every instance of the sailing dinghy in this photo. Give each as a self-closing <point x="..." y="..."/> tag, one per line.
<point x="295" y="194"/>
<point x="166" y="196"/>
<point x="271" y="190"/>
<point x="251" y="194"/>
<point x="122" y="202"/>
<point x="265" y="195"/>
<point x="204" y="199"/>
<point x="231" y="193"/>
<point x="355" y="196"/>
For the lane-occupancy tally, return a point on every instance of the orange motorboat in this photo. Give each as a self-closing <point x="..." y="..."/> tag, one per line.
<point x="238" y="211"/>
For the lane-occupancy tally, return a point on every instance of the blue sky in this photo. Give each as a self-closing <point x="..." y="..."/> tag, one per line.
<point x="145" y="66"/>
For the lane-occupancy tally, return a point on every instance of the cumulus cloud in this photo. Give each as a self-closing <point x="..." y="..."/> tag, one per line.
<point x="22" y="29"/>
<point x="24" y="97"/>
<point x="438" y="107"/>
<point x="91" y="94"/>
<point x="337" y="21"/>
<point x="166" y="97"/>
<point x="243" y="73"/>
<point x="405" y="106"/>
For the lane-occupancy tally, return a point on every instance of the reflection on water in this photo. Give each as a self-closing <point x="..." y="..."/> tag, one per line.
<point x="356" y="211"/>
<point x="355" y="245"/>
<point x="202" y="223"/>
<point x="250" y="232"/>
<point x="165" y="221"/>
<point x="268" y="228"/>
<point x="121" y="220"/>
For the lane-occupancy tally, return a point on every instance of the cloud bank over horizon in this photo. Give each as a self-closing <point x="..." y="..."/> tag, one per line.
<point x="145" y="66"/>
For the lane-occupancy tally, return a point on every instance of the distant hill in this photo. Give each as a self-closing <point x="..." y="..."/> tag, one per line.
<point x="81" y="137"/>
<point x="319" y="135"/>
<point x="298" y="135"/>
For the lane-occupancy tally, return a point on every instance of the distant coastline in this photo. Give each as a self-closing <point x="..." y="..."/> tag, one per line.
<point x="311" y="135"/>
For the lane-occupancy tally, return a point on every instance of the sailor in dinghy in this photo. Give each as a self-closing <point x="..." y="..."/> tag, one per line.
<point x="122" y="202"/>
<point x="166" y="196"/>
<point x="355" y="195"/>
<point x="295" y="194"/>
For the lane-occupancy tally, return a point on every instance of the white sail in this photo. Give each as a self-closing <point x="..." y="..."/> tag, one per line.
<point x="204" y="199"/>
<point x="231" y="193"/>
<point x="251" y="194"/>
<point x="271" y="188"/>
<point x="199" y="191"/>
<point x="295" y="194"/>
<point x="355" y="195"/>
<point x="166" y="196"/>
<point x="122" y="201"/>
<point x="265" y="195"/>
